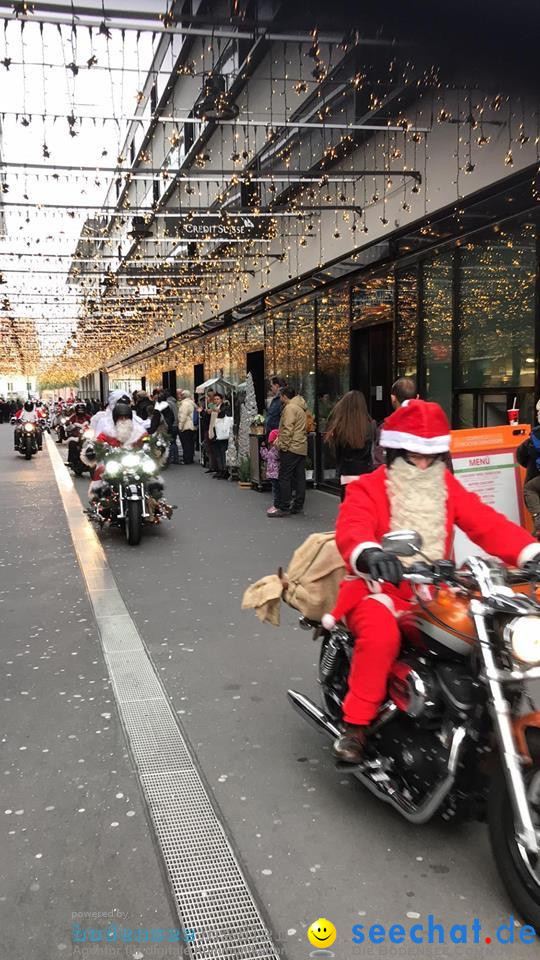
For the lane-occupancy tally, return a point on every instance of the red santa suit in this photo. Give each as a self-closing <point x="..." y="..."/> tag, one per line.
<point x="400" y="497"/>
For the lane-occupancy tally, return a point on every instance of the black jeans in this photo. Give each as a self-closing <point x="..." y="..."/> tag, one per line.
<point x="187" y="439"/>
<point x="221" y="452"/>
<point x="292" y="477"/>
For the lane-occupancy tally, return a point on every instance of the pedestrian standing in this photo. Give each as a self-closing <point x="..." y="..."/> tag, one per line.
<point x="273" y="413"/>
<point x="270" y="454"/>
<point x="174" y="456"/>
<point x="187" y="426"/>
<point x="351" y="437"/>
<point x="528" y="456"/>
<point x="292" y="445"/>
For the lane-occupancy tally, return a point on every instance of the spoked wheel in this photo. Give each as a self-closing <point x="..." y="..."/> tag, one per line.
<point x="519" y="871"/>
<point x="133" y="522"/>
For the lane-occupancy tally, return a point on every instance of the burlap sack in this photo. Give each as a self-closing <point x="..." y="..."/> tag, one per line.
<point x="314" y="574"/>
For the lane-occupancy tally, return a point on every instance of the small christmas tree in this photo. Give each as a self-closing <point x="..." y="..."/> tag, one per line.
<point x="248" y="412"/>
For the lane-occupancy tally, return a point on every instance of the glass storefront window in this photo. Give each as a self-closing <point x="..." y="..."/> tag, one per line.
<point x="281" y="352"/>
<point x="496" y="309"/>
<point x="333" y="344"/>
<point x="333" y="352"/>
<point x="255" y="334"/>
<point x="372" y="301"/>
<point x="437" y="316"/>
<point x="301" y="339"/>
<point x="407" y="323"/>
<point x="238" y="352"/>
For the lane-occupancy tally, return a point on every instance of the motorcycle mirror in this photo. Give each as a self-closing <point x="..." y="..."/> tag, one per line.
<point x="404" y="543"/>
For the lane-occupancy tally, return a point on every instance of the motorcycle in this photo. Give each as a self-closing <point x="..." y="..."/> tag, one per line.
<point x="450" y="738"/>
<point x="26" y="439"/>
<point x="78" y="434"/>
<point x="129" y="494"/>
<point x="60" y="425"/>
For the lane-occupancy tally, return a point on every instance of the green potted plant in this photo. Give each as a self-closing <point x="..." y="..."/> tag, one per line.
<point x="244" y="473"/>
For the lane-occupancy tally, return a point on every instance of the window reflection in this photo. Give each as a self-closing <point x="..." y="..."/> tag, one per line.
<point x="333" y="366"/>
<point x="496" y="315"/>
<point x="437" y="310"/>
<point x="407" y="323"/>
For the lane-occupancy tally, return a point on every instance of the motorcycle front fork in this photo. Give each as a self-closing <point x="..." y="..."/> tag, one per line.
<point x="525" y="831"/>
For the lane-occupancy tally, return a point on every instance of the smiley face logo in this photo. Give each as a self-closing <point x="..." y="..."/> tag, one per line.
<point x="322" y="933"/>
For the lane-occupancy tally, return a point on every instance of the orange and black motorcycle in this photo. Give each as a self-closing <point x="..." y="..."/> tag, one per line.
<point x="457" y="735"/>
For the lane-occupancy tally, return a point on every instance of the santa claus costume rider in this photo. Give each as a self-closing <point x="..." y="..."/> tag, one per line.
<point x="413" y="491"/>
<point x="121" y="431"/>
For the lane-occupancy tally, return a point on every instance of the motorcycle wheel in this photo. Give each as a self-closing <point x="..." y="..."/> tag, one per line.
<point x="519" y="874"/>
<point x="133" y="522"/>
<point x="28" y="449"/>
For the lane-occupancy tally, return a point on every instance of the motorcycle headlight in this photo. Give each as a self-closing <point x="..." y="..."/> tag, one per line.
<point x="29" y="427"/>
<point x="131" y="460"/>
<point x="523" y="633"/>
<point x="149" y="466"/>
<point x="112" y="468"/>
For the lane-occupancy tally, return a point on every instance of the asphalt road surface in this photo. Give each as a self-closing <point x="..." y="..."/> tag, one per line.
<point x="312" y="842"/>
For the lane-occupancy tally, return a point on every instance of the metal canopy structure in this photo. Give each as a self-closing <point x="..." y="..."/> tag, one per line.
<point x="139" y="141"/>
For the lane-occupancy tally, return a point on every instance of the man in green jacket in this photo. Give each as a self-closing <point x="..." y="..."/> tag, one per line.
<point x="292" y="445"/>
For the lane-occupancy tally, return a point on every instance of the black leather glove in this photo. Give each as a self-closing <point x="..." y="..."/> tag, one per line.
<point x="532" y="569"/>
<point x="380" y="565"/>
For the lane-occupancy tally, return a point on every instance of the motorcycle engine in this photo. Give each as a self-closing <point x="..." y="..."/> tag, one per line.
<point x="417" y="756"/>
<point x="415" y="690"/>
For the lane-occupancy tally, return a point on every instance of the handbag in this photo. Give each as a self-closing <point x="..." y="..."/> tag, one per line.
<point x="222" y="428"/>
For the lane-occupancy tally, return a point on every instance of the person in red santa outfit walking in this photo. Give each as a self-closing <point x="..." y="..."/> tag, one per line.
<point x="413" y="491"/>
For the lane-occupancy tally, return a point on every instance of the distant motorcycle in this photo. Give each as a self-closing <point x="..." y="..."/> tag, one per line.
<point x="129" y="493"/>
<point x="26" y="440"/>
<point x="78" y="434"/>
<point x="60" y="425"/>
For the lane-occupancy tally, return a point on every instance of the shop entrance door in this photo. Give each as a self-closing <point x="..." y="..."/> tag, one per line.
<point x="255" y="366"/>
<point x="371" y="366"/>
<point x="198" y="374"/>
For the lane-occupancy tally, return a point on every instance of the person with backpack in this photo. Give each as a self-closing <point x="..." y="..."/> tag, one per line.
<point x="528" y="456"/>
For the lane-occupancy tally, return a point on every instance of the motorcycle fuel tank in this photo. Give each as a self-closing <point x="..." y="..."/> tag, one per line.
<point x="441" y="625"/>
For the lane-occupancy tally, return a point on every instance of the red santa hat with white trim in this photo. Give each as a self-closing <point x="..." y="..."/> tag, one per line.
<point x="418" y="426"/>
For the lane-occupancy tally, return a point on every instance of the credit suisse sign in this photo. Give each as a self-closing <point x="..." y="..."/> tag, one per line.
<point x="215" y="227"/>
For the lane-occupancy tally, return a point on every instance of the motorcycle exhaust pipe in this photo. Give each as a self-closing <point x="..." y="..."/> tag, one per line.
<point x="310" y="711"/>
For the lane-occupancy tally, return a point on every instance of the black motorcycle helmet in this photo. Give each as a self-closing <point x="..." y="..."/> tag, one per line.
<point x="80" y="408"/>
<point x="122" y="409"/>
<point x="28" y="405"/>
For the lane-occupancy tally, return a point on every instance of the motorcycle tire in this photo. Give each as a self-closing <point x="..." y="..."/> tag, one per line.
<point x="522" y="888"/>
<point x="133" y="522"/>
<point x="28" y="449"/>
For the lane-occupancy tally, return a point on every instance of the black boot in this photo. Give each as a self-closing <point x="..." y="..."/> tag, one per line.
<point x="349" y="747"/>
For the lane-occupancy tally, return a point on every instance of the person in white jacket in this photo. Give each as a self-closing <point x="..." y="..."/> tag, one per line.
<point x="186" y="424"/>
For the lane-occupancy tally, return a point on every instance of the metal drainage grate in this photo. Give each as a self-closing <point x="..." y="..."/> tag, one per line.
<point x="212" y="894"/>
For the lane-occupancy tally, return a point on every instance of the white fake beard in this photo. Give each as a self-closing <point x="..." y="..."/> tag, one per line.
<point x="123" y="430"/>
<point x="418" y="502"/>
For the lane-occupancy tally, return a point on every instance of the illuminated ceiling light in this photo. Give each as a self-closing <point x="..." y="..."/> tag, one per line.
<point x="213" y="102"/>
<point x="140" y="230"/>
